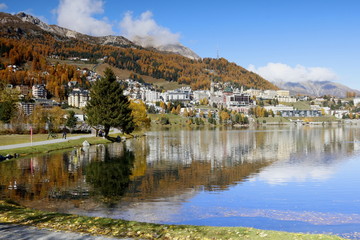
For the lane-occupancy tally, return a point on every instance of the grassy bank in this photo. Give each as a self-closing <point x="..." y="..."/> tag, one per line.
<point x="25" y="138"/>
<point x="54" y="146"/>
<point x="11" y="213"/>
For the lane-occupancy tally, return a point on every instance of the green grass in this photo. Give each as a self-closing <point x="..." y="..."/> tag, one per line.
<point x="317" y="119"/>
<point x="275" y="119"/>
<point x="53" y="147"/>
<point x="174" y="119"/>
<point x="25" y="138"/>
<point x="300" y="105"/>
<point x="13" y="214"/>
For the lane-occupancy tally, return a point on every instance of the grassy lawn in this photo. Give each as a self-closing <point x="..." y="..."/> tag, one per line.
<point x="54" y="146"/>
<point x="300" y="105"/>
<point x="25" y="138"/>
<point x="173" y="118"/>
<point x="12" y="213"/>
<point x="275" y="119"/>
<point x="317" y="119"/>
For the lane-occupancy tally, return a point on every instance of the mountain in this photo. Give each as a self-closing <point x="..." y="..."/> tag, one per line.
<point x="64" y="33"/>
<point x="26" y="40"/>
<point x="149" y="42"/>
<point x="316" y="88"/>
<point x="104" y="40"/>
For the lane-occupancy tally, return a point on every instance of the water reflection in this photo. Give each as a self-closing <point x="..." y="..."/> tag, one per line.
<point x="197" y="176"/>
<point x="110" y="177"/>
<point x="76" y="174"/>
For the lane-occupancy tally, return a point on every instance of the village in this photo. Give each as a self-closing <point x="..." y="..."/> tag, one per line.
<point x="200" y="102"/>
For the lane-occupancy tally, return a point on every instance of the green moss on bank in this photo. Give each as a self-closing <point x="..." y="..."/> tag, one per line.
<point x="11" y="213"/>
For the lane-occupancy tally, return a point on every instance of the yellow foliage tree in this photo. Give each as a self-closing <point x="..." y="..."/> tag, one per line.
<point x="41" y="117"/>
<point x="140" y="117"/>
<point x="163" y="105"/>
<point x="204" y="101"/>
<point x="224" y="116"/>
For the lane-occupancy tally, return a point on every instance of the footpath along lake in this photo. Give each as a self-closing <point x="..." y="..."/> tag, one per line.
<point x="296" y="179"/>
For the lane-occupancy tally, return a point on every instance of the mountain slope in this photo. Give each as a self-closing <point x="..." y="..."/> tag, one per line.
<point x="104" y="40"/>
<point x="316" y="88"/>
<point x="24" y="38"/>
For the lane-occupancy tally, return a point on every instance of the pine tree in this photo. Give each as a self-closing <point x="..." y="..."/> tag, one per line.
<point x="108" y="107"/>
<point x="71" y="120"/>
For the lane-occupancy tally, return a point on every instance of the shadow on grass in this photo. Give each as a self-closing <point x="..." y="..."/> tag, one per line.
<point x="27" y="216"/>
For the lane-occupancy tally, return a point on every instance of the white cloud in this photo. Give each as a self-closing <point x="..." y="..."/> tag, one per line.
<point x="277" y="175"/>
<point x="3" y="6"/>
<point x="78" y="15"/>
<point x="146" y="32"/>
<point x="279" y="72"/>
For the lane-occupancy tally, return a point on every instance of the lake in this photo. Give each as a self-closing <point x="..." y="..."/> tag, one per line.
<point x="297" y="179"/>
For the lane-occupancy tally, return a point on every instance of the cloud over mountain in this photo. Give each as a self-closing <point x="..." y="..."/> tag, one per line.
<point x="3" y="6"/>
<point x="279" y="72"/>
<point x="146" y="32"/>
<point x="78" y="15"/>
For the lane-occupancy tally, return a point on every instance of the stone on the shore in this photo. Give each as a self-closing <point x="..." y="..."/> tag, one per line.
<point x="86" y="143"/>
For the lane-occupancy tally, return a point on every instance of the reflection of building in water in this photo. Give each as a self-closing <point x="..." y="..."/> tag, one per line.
<point x="83" y="155"/>
<point x="226" y="148"/>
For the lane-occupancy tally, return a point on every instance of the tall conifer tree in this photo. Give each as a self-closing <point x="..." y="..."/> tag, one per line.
<point x="108" y="107"/>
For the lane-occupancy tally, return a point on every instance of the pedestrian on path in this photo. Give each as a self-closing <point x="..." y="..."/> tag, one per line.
<point x="64" y="133"/>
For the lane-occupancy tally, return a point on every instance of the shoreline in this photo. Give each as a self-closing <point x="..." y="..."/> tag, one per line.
<point x="11" y="213"/>
<point x="138" y="225"/>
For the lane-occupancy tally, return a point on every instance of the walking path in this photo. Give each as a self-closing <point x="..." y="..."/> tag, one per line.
<point x="57" y="140"/>
<point x="19" y="232"/>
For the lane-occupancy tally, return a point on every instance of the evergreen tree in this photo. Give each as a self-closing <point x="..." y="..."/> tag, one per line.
<point x="7" y="110"/>
<point x="71" y="120"/>
<point x="108" y="107"/>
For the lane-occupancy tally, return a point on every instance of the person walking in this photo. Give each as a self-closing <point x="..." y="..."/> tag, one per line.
<point x="64" y="133"/>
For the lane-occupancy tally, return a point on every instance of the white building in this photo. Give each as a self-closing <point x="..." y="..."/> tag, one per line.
<point x="356" y="101"/>
<point x="39" y="91"/>
<point x="269" y="94"/>
<point x="279" y="108"/>
<point x="182" y="94"/>
<point x="237" y="100"/>
<point x="151" y="96"/>
<point x="78" y="98"/>
<point x="201" y="94"/>
<point x="339" y="113"/>
<point x="283" y="93"/>
<point x="286" y="99"/>
<point x="254" y="92"/>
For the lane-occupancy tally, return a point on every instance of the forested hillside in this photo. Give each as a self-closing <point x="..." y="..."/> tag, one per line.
<point x="24" y="44"/>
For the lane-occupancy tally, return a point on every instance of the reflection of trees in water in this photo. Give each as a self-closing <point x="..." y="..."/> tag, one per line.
<point x="168" y="179"/>
<point x="60" y="176"/>
<point x="33" y="178"/>
<point x="111" y="177"/>
<point x="171" y="163"/>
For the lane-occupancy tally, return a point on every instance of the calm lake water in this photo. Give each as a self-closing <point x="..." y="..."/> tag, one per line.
<point x="300" y="179"/>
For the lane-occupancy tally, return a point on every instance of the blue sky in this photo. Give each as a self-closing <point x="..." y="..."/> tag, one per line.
<point x="286" y="40"/>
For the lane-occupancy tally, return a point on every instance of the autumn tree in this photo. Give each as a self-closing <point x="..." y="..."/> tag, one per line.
<point x="224" y="116"/>
<point x="140" y="118"/>
<point x="108" y="106"/>
<point x="8" y="99"/>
